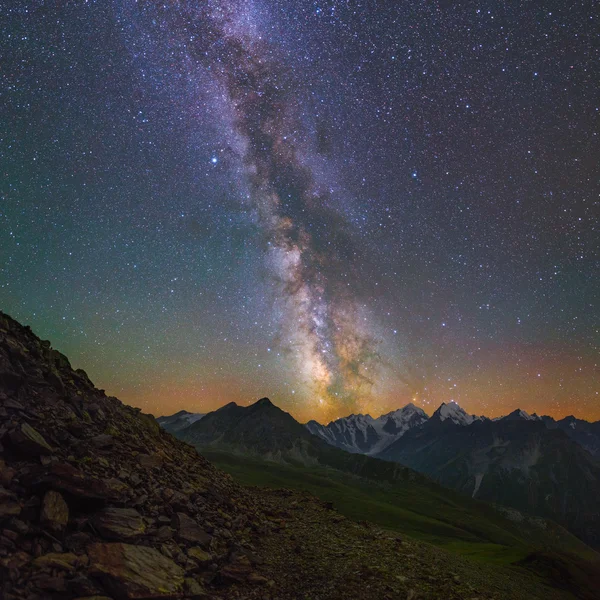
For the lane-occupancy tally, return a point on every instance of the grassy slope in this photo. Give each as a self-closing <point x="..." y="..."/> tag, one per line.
<point x="428" y="513"/>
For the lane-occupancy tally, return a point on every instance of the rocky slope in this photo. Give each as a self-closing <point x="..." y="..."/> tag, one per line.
<point x="96" y="500"/>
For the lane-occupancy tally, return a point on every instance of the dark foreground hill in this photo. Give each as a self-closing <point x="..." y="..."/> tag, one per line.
<point x="97" y="502"/>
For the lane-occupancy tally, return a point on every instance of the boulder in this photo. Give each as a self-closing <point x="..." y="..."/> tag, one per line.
<point x="164" y="533"/>
<point x="28" y="441"/>
<point x="188" y="530"/>
<point x="55" y="512"/>
<point x="9" y="505"/>
<point x="237" y="571"/>
<point x="66" y="478"/>
<point x="194" y="589"/>
<point x="64" y="561"/>
<point x="149" y="461"/>
<point x="102" y="440"/>
<point x="13" y="404"/>
<point x="199" y="555"/>
<point x="119" y="523"/>
<point x="135" y="572"/>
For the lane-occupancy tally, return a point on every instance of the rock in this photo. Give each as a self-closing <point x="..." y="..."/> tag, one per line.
<point x="13" y="404"/>
<point x="189" y="530"/>
<point x="164" y="533"/>
<point x="55" y="512"/>
<point x="61" y="561"/>
<point x="10" y="382"/>
<point x="235" y="572"/>
<point x="149" y="461"/>
<point x="27" y="440"/>
<point x="15" y="560"/>
<point x="13" y="536"/>
<point x="9" y="505"/>
<point x="119" y="523"/>
<point x="199" y="555"/>
<point x="257" y="579"/>
<point x="78" y="542"/>
<point x="193" y="589"/>
<point x="135" y="571"/>
<point x="19" y="526"/>
<point x="66" y="478"/>
<point x="6" y="475"/>
<point x="80" y="585"/>
<point x="49" y="583"/>
<point x="135" y="479"/>
<point x="101" y="441"/>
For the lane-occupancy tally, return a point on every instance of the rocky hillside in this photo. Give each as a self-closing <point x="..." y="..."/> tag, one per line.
<point x="96" y="500"/>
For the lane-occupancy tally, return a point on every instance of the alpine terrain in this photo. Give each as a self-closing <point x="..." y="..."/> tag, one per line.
<point x="98" y="502"/>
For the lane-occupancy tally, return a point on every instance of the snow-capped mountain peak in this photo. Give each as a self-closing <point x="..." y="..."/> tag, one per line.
<point x="521" y="414"/>
<point x="453" y="412"/>
<point x="179" y="421"/>
<point x="366" y="435"/>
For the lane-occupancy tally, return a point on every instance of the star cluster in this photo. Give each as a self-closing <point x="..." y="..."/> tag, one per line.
<point x="342" y="205"/>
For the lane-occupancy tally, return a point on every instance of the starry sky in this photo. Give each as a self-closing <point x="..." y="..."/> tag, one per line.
<point x="342" y="205"/>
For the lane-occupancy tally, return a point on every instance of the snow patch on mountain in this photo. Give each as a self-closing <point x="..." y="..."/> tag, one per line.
<point x="365" y="435"/>
<point x="179" y="421"/>
<point x="521" y="414"/>
<point x="453" y="412"/>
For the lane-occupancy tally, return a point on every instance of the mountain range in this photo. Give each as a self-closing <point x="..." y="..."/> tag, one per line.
<point x="179" y="420"/>
<point x="515" y="461"/>
<point x="263" y="430"/>
<point x="526" y="462"/>
<point x="364" y="434"/>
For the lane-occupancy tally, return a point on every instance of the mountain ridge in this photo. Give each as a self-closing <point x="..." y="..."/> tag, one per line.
<point x="516" y="462"/>
<point x="523" y="461"/>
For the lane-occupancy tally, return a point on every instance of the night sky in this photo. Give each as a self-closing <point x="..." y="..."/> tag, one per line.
<point x="344" y="206"/>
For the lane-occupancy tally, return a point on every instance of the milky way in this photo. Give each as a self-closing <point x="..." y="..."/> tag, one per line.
<point x="310" y="249"/>
<point x="345" y="206"/>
